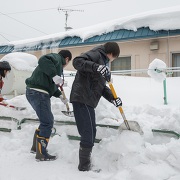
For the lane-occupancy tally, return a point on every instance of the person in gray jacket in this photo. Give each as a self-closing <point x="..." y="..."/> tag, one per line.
<point x="88" y="87"/>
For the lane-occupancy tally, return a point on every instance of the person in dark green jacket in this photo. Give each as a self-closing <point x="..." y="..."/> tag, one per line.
<point x="41" y="86"/>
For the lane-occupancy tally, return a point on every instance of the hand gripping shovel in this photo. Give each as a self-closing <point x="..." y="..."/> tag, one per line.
<point x="127" y="125"/>
<point x="68" y="112"/>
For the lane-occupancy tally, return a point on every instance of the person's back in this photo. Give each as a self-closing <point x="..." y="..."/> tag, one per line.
<point x="88" y="84"/>
<point x="49" y="66"/>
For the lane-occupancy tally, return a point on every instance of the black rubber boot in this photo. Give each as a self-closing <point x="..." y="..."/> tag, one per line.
<point x="84" y="159"/>
<point x="41" y="152"/>
<point x="33" y="148"/>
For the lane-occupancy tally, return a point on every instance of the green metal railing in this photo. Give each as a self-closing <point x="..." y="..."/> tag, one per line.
<point x="56" y="122"/>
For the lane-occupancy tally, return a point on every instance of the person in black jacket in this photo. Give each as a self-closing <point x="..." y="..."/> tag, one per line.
<point x="88" y="87"/>
<point x="41" y="86"/>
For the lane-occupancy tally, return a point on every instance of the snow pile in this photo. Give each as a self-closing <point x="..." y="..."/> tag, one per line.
<point x="156" y="70"/>
<point x="127" y="155"/>
<point x="21" y="61"/>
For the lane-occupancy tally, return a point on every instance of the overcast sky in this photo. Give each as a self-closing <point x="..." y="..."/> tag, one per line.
<point x="20" y="19"/>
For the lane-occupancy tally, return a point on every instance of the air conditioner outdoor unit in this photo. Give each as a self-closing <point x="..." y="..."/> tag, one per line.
<point x="154" y="46"/>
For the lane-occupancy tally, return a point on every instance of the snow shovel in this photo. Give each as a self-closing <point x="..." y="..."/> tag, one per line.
<point x="127" y="125"/>
<point x="11" y="106"/>
<point x="68" y="112"/>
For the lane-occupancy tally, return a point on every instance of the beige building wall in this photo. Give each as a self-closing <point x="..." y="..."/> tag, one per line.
<point x="139" y="50"/>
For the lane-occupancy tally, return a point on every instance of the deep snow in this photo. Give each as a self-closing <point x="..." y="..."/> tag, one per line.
<point x="127" y="156"/>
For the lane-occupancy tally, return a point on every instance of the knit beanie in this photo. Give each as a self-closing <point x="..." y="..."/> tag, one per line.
<point x="65" y="54"/>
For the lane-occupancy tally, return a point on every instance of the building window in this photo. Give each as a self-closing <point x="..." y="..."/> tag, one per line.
<point x="176" y="63"/>
<point x="121" y="63"/>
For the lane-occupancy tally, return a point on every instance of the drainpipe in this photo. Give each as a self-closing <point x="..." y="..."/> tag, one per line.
<point x="164" y="82"/>
<point x="165" y="92"/>
<point x="168" y="55"/>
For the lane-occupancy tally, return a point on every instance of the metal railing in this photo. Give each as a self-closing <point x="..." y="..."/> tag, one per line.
<point x="135" y="71"/>
<point x="167" y="71"/>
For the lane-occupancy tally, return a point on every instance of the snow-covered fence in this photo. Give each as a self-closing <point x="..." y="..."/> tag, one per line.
<point x="22" y="65"/>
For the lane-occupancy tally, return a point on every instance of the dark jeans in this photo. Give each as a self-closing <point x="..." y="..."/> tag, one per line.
<point x="41" y="103"/>
<point x="86" y="125"/>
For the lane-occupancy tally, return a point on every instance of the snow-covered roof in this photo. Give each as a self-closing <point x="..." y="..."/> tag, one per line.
<point x="163" y="19"/>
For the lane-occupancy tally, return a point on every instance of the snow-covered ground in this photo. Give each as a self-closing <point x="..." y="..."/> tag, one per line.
<point x="127" y="155"/>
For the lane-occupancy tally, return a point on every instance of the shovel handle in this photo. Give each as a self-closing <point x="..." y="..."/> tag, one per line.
<point x="115" y="96"/>
<point x="120" y="108"/>
<point x="64" y="96"/>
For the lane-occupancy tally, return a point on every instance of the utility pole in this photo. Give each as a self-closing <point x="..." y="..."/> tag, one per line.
<point x="67" y="11"/>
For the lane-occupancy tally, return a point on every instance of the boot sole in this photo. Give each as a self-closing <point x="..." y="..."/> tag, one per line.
<point x="33" y="152"/>
<point x="46" y="159"/>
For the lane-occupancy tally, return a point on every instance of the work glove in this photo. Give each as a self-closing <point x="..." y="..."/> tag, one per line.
<point x="65" y="101"/>
<point x="57" y="80"/>
<point x="105" y="72"/>
<point x="117" y="102"/>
